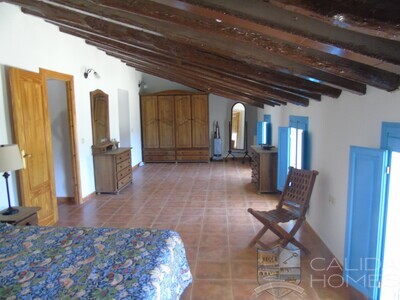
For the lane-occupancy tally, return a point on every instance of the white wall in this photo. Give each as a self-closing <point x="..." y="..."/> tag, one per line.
<point x="334" y="125"/>
<point x="219" y="110"/>
<point x="58" y="110"/>
<point x="124" y="120"/>
<point x="28" y="43"/>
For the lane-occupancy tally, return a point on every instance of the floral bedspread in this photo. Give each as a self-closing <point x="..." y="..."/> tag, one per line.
<point x="91" y="263"/>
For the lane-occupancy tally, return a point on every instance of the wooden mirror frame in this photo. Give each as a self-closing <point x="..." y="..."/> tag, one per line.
<point x="100" y="126"/>
<point x="242" y="127"/>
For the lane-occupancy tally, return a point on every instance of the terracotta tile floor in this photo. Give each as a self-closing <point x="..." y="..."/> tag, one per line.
<point x="207" y="204"/>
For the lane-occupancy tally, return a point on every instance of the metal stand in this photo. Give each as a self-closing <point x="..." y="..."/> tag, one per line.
<point x="246" y="153"/>
<point x="10" y="210"/>
<point x="230" y="146"/>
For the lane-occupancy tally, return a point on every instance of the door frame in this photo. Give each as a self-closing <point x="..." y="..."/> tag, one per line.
<point x="73" y="136"/>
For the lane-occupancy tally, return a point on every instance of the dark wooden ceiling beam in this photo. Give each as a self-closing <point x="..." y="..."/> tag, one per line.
<point x="376" y="18"/>
<point x="254" y="88"/>
<point x="275" y="47"/>
<point x="208" y="78"/>
<point x="223" y="65"/>
<point x="216" y="90"/>
<point x="114" y="49"/>
<point x="244" y="53"/>
<point x="188" y="78"/>
<point x="268" y="14"/>
<point x="288" y="35"/>
<point x="259" y="87"/>
<point x="196" y="84"/>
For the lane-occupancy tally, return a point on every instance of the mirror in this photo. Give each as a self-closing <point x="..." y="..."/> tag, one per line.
<point x="238" y="120"/>
<point x="100" y="121"/>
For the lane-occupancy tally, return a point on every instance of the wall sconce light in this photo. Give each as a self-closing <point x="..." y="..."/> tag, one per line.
<point x="142" y="84"/>
<point x="88" y="71"/>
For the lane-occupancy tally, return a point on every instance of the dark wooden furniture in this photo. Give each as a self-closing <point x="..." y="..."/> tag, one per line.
<point x="175" y="127"/>
<point x="158" y="127"/>
<point x="264" y="165"/>
<point x="25" y="217"/>
<point x="112" y="170"/>
<point x="293" y="205"/>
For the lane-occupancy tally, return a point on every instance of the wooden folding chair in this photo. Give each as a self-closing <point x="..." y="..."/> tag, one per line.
<point x="293" y="205"/>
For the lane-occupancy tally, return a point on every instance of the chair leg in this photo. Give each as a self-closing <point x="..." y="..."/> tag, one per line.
<point x="299" y="245"/>
<point x="288" y="237"/>
<point x="258" y="236"/>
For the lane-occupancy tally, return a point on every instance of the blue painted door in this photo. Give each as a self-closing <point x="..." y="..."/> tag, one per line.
<point x="365" y="219"/>
<point x="283" y="156"/>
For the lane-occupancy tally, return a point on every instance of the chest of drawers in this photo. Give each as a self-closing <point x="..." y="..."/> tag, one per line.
<point x="112" y="170"/>
<point x="264" y="169"/>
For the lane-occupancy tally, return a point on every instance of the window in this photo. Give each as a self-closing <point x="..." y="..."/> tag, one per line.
<point x="292" y="147"/>
<point x="264" y="131"/>
<point x="371" y="248"/>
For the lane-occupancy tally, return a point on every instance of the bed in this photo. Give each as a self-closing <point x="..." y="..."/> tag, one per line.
<point x="91" y="263"/>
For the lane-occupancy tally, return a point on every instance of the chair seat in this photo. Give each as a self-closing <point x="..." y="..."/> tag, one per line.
<point x="279" y="215"/>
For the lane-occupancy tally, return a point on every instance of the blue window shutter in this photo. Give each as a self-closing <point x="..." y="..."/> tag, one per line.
<point x="390" y="136"/>
<point x="269" y="133"/>
<point x="261" y="133"/>
<point x="267" y="118"/>
<point x="365" y="218"/>
<point x="283" y="156"/>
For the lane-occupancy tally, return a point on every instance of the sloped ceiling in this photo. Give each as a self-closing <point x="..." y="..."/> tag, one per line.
<point x="260" y="52"/>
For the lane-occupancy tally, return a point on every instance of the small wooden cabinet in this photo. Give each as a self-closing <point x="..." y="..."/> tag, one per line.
<point x="264" y="165"/>
<point x="112" y="170"/>
<point x="25" y="217"/>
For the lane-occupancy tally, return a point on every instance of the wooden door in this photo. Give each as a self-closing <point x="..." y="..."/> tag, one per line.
<point x="166" y="117"/>
<point x="33" y="135"/>
<point x="183" y="121"/>
<point x="150" y="134"/>
<point x="200" y="135"/>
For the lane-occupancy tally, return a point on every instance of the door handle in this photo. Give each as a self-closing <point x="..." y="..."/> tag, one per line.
<point x="24" y="156"/>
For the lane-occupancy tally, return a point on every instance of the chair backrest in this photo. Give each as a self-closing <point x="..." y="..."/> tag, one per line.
<point x="297" y="191"/>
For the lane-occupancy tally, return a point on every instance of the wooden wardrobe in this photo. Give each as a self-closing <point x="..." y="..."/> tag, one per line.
<point x="175" y="127"/>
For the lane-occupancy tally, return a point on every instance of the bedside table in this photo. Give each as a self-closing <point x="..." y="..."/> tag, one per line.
<point x="25" y="217"/>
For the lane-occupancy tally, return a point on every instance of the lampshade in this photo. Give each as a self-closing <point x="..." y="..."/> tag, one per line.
<point x="10" y="158"/>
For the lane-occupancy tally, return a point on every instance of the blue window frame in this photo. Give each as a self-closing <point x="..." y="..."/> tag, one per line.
<point x="292" y="149"/>
<point x="390" y="136"/>
<point x="264" y="131"/>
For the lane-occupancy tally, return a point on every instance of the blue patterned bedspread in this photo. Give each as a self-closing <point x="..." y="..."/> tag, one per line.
<point x="91" y="263"/>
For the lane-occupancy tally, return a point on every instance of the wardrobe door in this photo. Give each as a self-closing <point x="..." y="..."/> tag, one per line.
<point x="150" y="122"/>
<point x="200" y="137"/>
<point x="183" y="122"/>
<point x="166" y="117"/>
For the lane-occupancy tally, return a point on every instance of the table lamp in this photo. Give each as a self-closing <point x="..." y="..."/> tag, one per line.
<point x="10" y="160"/>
